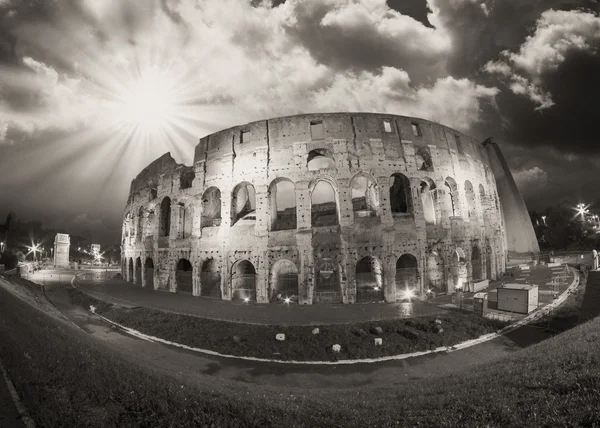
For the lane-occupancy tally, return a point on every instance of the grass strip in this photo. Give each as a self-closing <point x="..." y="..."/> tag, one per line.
<point x="300" y="344"/>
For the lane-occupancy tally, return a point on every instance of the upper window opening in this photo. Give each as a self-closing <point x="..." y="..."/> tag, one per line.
<point x="416" y="129"/>
<point x="316" y="130"/>
<point x="246" y="135"/>
<point x="387" y="125"/>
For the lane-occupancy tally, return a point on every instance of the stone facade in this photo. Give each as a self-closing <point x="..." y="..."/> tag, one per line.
<point x="429" y="216"/>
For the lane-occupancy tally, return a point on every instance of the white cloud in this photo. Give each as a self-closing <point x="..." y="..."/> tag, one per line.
<point x="556" y="34"/>
<point x="531" y="181"/>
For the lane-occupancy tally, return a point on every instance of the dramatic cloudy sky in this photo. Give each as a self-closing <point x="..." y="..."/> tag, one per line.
<point x="75" y="74"/>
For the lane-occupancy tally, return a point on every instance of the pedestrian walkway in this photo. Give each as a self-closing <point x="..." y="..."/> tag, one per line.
<point x="127" y="294"/>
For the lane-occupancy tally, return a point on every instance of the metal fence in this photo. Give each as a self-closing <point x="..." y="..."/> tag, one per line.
<point x="185" y="282"/>
<point x="210" y="285"/>
<point x="243" y="286"/>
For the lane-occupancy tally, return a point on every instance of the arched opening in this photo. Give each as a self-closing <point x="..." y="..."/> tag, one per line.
<point x="282" y="198"/>
<point x="423" y="159"/>
<point x="488" y="263"/>
<point x="184" y="276"/>
<point x="320" y="159"/>
<point x="149" y="265"/>
<point x="451" y="201"/>
<point x="211" y="207"/>
<point x="427" y="189"/>
<point x="476" y="264"/>
<point x="165" y="217"/>
<point x="323" y="205"/>
<point x="243" y="204"/>
<point x="130" y="269"/>
<point x="186" y="179"/>
<point x="400" y="198"/>
<point x="435" y="273"/>
<point x="365" y="196"/>
<point x="138" y="271"/>
<point x="187" y="219"/>
<point x="458" y="269"/>
<point x="141" y="225"/>
<point x="243" y="281"/>
<point x="470" y="196"/>
<point x="483" y="200"/>
<point x="284" y="282"/>
<point x="327" y="287"/>
<point x="369" y="280"/>
<point x="210" y="279"/>
<point x="407" y="274"/>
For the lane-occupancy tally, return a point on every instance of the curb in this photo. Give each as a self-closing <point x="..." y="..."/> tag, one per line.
<point x="21" y="409"/>
<point x="481" y="339"/>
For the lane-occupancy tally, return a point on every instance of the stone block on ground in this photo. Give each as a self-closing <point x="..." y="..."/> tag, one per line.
<point x="315" y="331"/>
<point x="280" y="336"/>
<point x="360" y="332"/>
<point x="378" y="341"/>
<point x="336" y="348"/>
<point x="237" y="339"/>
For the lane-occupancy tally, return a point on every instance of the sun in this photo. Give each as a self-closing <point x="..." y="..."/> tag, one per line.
<point x="148" y="102"/>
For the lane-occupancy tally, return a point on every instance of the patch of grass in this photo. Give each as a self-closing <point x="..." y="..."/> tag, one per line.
<point x="72" y="380"/>
<point x="300" y="344"/>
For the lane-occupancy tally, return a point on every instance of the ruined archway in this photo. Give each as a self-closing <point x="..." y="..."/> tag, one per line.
<point x="400" y="197"/>
<point x="149" y="266"/>
<point x="488" y="263"/>
<point x="165" y="217"/>
<point x="243" y="204"/>
<point x="470" y="196"/>
<point x="458" y="270"/>
<point x="184" y="276"/>
<point x="211" y="207"/>
<point x="435" y="273"/>
<point x="451" y="199"/>
<point x="365" y="196"/>
<point x="141" y="225"/>
<point x="323" y="204"/>
<point x="210" y="279"/>
<point x="138" y="271"/>
<point x="130" y="270"/>
<point x="369" y="280"/>
<point x="407" y="274"/>
<point x="476" y="264"/>
<point x="243" y="281"/>
<point x="320" y="159"/>
<point x="186" y="179"/>
<point x="427" y="200"/>
<point x="282" y="204"/>
<point x="284" y="282"/>
<point x="327" y="286"/>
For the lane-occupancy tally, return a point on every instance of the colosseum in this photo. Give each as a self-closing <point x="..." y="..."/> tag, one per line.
<point x="326" y="208"/>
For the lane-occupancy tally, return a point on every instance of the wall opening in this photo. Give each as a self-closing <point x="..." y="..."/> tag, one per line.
<point x="435" y="273"/>
<point x="387" y="125"/>
<point x="141" y="225"/>
<point x="186" y="179"/>
<point x="416" y="129"/>
<point x="284" y="282"/>
<point x="211" y="207"/>
<point x="187" y="219"/>
<point x="365" y="197"/>
<point x="488" y="263"/>
<point x="369" y="280"/>
<point x="210" y="279"/>
<point x="323" y="205"/>
<point x="451" y="200"/>
<point x="458" y="269"/>
<point x="282" y="198"/>
<point x="470" y="196"/>
<point x="165" y="217"/>
<point x="149" y="266"/>
<point x="476" y="267"/>
<point x="320" y="159"/>
<point x="184" y="276"/>
<point x="427" y="200"/>
<point x="407" y="274"/>
<point x="423" y="159"/>
<point x="328" y="280"/>
<point x="243" y="281"/>
<point x="138" y="271"/>
<point x="243" y="204"/>
<point x="400" y="194"/>
<point x="130" y="267"/>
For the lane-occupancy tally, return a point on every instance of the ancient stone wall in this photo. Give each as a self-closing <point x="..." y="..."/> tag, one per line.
<point x="322" y="192"/>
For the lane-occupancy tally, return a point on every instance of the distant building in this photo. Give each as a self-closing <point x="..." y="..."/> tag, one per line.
<point x="61" y="250"/>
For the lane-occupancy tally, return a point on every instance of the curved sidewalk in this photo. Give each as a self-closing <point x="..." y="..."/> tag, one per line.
<point x="127" y="294"/>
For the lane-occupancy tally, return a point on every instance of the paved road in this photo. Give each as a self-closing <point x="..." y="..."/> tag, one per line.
<point x="202" y="368"/>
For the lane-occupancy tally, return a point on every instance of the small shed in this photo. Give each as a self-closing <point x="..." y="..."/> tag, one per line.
<point x="519" y="298"/>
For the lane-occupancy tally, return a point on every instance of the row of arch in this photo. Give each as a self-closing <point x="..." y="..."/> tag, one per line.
<point x="284" y="280"/>
<point x="324" y="201"/>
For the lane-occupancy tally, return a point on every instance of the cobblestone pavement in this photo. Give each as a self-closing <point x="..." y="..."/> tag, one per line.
<point x="122" y="292"/>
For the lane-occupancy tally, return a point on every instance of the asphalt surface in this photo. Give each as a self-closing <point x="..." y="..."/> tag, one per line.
<point x="205" y="368"/>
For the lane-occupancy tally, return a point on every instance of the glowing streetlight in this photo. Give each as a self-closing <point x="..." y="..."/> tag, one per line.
<point x="287" y="300"/>
<point x="2" y="247"/>
<point x="246" y="299"/>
